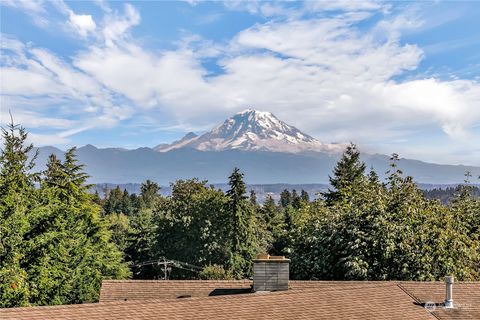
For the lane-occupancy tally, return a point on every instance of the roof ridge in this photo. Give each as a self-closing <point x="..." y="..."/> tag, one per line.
<point x="408" y="292"/>
<point x="411" y="295"/>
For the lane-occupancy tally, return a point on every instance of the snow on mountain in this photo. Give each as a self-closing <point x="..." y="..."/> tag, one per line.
<point x="164" y="147"/>
<point x="253" y="130"/>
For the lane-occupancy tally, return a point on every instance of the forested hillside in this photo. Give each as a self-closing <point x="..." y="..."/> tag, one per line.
<point x="447" y="195"/>
<point x="58" y="242"/>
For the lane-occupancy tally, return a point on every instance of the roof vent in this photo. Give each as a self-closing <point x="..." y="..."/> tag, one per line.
<point x="270" y="273"/>
<point x="449" y="292"/>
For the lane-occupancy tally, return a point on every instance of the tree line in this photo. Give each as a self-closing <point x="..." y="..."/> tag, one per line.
<point x="58" y="241"/>
<point x="448" y="194"/>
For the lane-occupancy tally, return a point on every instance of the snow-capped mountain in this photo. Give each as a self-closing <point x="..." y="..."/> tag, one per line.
<point x="164" y="147"/>
<point x="252" y="130"/>
<point x="286" y="157"/>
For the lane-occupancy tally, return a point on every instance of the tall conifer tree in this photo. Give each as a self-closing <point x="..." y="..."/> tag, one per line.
<point x="348" y="173"/>
<point x="243" y="246"/>
<point x="70" y="244"/>
<point x="17" y="198"/>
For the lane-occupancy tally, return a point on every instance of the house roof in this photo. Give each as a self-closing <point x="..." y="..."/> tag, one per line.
<point x="466" y="298"/>
<point x="126" y="290"/>
<point x="304" y="300"/>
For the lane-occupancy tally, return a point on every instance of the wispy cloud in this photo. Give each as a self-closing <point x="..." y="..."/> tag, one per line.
<point x="328" y="68"/>
<point x="34" y="8"/>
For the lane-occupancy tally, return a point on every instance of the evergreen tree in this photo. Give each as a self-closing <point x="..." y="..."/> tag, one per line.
<point x="253" y="198"/>
<point x="96" y="198"/>
<point x="285" y="198"/>
<point x="127" y="205"/>
<point x="387" y="231"/>
<point x="67" y="179"/>
<point x="114" y="202"/>
<point x="275" y="225"/>
<point x="241" y="222"/>
<point x="69" y="244"/>
<point x="149" y="194"/>
<point x="135" y="202"/>
<point x="296" y="200"/>
<point x="141" y="243"/>
<point x="17" y="198"/>
<point x="305" y="196"/>
<point x="119" y="225"/>
<point x="348" y="174"/>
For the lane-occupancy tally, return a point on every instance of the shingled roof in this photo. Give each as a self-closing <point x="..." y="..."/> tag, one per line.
<point x="305" y="300"/>
<point x="126" y="290"/>
<point x="466" y="297"/>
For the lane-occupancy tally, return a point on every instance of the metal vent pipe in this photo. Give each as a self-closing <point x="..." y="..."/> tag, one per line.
<point x="449" y="292"/>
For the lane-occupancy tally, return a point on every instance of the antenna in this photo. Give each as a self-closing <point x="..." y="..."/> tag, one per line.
<point x="167" y="265"/>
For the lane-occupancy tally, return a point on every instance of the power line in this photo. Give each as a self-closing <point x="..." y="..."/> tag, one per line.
<point x="168" y="264"/>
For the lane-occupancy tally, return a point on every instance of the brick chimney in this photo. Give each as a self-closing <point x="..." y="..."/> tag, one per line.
<point x="270" y="273"/>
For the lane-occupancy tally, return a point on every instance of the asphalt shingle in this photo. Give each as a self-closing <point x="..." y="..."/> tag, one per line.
<point x="381" y="300"/>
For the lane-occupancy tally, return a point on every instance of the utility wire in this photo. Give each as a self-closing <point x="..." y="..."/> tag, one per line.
<point x="166" y="263"/>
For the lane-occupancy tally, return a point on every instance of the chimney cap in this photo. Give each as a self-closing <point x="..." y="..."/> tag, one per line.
<point x="449" y="279"/>
<point x="269" y="258"/>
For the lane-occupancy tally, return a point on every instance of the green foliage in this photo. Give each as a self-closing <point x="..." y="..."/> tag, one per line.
<point x="70" y="251"/>
<point x="192" y="225"/>
<point x="362" y="229"/>
<point x="55" y="247"/>
<point x="119" y="224"/>
<point x="141" y="241"/>
<point x="304" y="196"/>
<point x="447" y="195"/>
<point x="149" y="194"/>
<point x="57" y="241"/>
<point x="241" y="224"/>
<point x="274" y="223"/>
<point x="366" y="230"/>
<point x="214" y="272"/>
<point x="296" y="200"/>
<point x="285" y="198"/>
<point x="348" y="174"/>
<point x="114" y="201"/>
<point x="17" y="198"/>
<point x="253" y="198"/>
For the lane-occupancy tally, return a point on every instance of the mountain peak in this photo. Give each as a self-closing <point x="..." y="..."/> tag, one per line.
<point x="189" y="136"/>
<point x="250" y="111"/>
<point x="89" y="147"/>
<point x="164" y="147"/>
<point x="254" y="115"/>
<point x="253" y="130"/>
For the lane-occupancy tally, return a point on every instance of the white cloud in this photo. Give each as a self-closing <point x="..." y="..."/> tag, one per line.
<point x="116" y="25"/>
<point x="28" y="5"/>
<point x="320" y="73"/>
<point x="82" y="23"/>
<point x="34" y="120"/>
<point x="34" y="8"/>
<point x="43" y="91"/>
<point x="47" y="139"/>
<point x="347" y="5"/>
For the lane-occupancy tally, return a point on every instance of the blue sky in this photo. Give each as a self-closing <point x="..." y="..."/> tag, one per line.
<point x="391" y="76"/>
